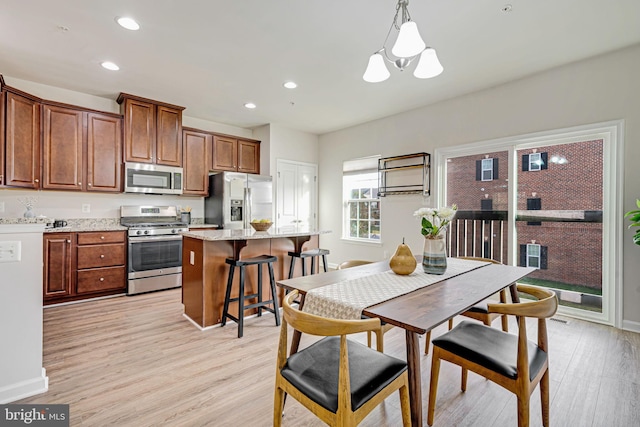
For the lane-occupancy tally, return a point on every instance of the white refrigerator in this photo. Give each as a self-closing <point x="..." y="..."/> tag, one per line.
<point x="235" y="199"/>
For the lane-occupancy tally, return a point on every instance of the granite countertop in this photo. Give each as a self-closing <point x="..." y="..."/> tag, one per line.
<point x="73" y="225"/>
<point x="251" y="234"/>
<point x="86" y="224"/>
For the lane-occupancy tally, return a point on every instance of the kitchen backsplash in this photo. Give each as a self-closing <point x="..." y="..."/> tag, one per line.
<point x="71" y="205"/>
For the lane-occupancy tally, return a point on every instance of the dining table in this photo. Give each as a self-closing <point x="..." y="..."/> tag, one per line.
<point x="418" y="311"/>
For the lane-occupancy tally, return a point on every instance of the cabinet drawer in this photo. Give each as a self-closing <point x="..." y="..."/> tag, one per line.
<point x="100" y="256"/>
<point x="101" y="279"/>
<point x="94" y="237"/>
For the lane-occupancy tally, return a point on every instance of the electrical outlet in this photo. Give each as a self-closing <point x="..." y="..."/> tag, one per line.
<point x="86" y="207"/>
<point x="10" y="251"/>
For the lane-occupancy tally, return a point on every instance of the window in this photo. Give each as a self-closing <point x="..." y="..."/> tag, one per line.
<point x="486" y="204"/>
<point x="361" y="200"/>
<point x="534" y="204"/>
<point x="533" y="255"/>
<point x="534" y="162"/>
<point x="486" y="169"/>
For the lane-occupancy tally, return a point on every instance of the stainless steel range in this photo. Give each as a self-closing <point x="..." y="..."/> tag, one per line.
<point x="155" y="247"/>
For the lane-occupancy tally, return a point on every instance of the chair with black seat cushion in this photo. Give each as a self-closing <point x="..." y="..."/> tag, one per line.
<point x="511" y="361"/>
<point x="314" y="254"/>
<point x="258" y="261"/>
<point x="479" y="311"/>
<point x="339" y="380"/>
<point x="384" y="327"/>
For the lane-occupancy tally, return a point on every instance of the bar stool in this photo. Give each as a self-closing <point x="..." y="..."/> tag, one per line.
<point x="313" y="254"/>
<point x="260" y="305"/>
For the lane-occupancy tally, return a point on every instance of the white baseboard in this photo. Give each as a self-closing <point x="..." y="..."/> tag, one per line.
<point x="632" y="326"/>
<point x="24" y="389"/>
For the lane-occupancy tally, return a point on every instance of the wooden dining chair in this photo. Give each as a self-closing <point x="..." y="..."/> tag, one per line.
<point x="384" y="327"/>
<point x="511" y="361"/>
<point x="479" y="311"/>
<point x="339" y="380"/>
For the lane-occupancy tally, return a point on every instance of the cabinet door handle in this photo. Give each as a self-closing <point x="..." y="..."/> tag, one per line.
<point x="79" y="183"/>
<point x="101" y="256"/>
<point x="102" y="237"/>
<point x="36" y="180"/>
<point x="89" y="184"/>
<point x="68" y="241"/>
<point x="102" y="279"/>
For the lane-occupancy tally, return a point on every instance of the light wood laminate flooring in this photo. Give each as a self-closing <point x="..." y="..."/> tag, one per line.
<point x="136" y="361"/>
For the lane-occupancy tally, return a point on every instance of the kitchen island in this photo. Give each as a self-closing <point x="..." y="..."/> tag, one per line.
<point x="204" y="271"/>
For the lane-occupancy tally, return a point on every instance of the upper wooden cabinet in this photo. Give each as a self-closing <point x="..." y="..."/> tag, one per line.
<point x="2" y="107"/>
<point x="104" y="153"/>
<point x="232" y="154"/>
<point x="152" y="131"/>
<point x="81" y="150"/>
<point x="195" y="148"/>
<point x="22" y="140"/>
<point x="62" y="148"/>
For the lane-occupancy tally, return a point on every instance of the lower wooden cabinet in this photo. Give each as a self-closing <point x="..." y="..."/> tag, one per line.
<point x="59" y="265"/>
<point x="84" y="265"/>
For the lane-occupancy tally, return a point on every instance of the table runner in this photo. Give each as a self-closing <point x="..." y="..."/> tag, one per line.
<point x="347" y="299"/>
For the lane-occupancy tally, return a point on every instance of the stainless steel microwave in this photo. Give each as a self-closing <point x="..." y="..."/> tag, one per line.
<point x="152" y="179"/>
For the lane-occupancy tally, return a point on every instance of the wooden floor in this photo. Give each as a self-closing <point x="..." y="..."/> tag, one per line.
<point x="136" y="361"/>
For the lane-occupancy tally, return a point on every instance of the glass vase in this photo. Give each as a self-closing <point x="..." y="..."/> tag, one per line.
<point x="434" y="255"/>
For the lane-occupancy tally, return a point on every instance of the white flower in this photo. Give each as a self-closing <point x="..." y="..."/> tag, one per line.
<point x="434" y="221"/>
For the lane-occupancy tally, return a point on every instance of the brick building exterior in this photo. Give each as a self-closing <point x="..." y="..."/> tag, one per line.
<point x="566" y="177"/>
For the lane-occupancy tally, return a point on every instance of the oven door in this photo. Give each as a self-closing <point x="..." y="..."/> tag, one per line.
<point x="154" y="255"/>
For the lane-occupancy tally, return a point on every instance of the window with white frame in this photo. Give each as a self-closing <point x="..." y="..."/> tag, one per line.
<point x="487" y="169"/>
<point x="361" y="200"/>
<point x="535" y="162"/>
<point x="533" y="255"/>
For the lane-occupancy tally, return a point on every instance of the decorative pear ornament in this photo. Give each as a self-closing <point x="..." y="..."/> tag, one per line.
<point x="403" y="262"/>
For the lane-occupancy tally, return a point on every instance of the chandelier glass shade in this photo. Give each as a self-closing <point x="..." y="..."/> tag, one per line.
<point x="408" y="47"/>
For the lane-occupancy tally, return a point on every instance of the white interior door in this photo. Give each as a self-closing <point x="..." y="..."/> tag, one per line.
<point x="296" y="194"/>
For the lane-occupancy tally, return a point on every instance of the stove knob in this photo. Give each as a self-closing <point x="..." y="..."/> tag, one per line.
<point x="146" y="231"/>
<point x="139" y="232"/>
<point x="174" y="231"/>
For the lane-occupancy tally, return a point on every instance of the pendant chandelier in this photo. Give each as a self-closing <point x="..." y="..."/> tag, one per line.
<point x="408" y="47"/>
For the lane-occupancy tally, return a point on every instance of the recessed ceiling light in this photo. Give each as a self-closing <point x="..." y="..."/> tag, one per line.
<point x="110" y="66"/>
<point x="250" y="105"/>
<point x="128" y="23"/>
<point x="290" y="85"/>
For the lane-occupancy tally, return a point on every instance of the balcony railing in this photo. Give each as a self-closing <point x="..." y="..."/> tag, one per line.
<point x="485" y="234"/>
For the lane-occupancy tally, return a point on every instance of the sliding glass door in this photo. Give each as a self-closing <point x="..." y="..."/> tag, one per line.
<point x="546" y="201"/>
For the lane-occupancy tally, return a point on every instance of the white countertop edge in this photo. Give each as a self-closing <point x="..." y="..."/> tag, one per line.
<point x="21" y="228"/>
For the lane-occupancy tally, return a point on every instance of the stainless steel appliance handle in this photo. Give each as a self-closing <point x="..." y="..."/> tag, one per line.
<point x="154" y="238"/>
<point x="247" y="207"/>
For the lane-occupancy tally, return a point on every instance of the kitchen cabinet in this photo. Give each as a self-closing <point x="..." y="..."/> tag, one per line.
<point x="101" y="262"/>
<point x="81" y="150"/>
<point x="84" y="265"/>
<point x="104" y="153"/>
<point x="233" y="154"/>
<point x="2" y="127"/>
<point x="21" y="140"/>
<point x="152" y="131"/>
<point x="62" y="148"/>
<point x="58" y="274"/>
<point x="195" y="148"/>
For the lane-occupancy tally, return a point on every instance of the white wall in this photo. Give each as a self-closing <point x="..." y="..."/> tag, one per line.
<point x="21" y="371"/>
<point x="596" y="90"/>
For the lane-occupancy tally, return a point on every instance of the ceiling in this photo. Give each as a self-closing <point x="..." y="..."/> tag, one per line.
<point x="213" y="56"/>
